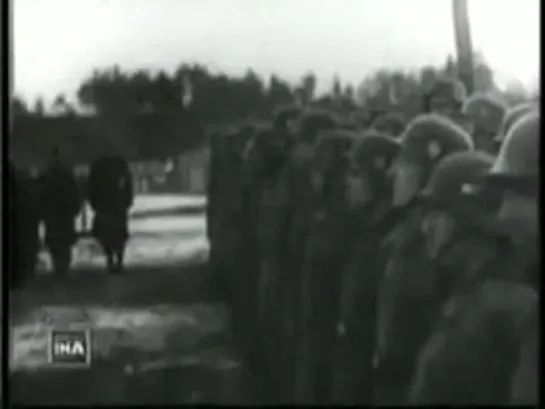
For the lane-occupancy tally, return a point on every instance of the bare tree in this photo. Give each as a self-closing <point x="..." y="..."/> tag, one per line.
<point x="61" y="105"/>
<point x="18" y="106"/>
<point x="39" y="106"/>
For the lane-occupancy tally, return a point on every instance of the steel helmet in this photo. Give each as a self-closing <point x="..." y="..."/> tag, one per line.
<point x="519" y="153"/>
<point x="457" y="175"/>
<point x="286" y="113"/>
<point x="426" y="141"/>
<point x="315" y="121"/>
<point x="513" y="115"/>
<point x="333" y="146"/>
<point x="392" y="123"/>
<point x="426" y="131"/>
<point x="375" y="150"/>
<point x="450" y="88"/>
<point x="485" y="112"/>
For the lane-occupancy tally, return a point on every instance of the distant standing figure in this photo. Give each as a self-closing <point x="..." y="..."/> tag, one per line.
<point x="14" y="281"/>
<point x="60" y="203"/>
<point x="28" y="219"/>
<point x="110" y="194"/>
<point x="22" y="227"/>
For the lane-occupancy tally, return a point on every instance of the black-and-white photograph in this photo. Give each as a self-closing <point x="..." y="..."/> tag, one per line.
<point x="267" y="202"/>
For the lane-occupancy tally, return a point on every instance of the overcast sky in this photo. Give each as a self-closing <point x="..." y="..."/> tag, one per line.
<point x="58" y="42"/>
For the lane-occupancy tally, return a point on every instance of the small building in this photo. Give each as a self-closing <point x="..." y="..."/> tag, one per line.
<point x="192" y="167"/>
<point x="146" y="175"/>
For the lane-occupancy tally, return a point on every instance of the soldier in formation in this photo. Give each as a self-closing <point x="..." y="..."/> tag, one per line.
<point x="485" y="115"/>
<point x="394" y="264"/>
<point x="446" y="98"/>
<point x="483" y="348"/>
<point x="369" y="200"/>
<point x="391" y="123"/>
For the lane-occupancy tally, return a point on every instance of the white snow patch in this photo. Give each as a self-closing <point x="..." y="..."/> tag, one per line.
<point x="153" y="241"/>
<point x="169" y="224"/>
<point x="152" y="203"/>
<point x="159" y="202"/>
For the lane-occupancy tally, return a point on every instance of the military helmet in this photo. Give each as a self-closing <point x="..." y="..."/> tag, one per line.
<point x="286" y="113"/>
<point x="359" y="118"/>
<point x="513" y="115"/>
<point x="332" y="147"/>
<point x="516" y="172"/>
<point x="427" y="139"/>
<point x="392" y="123"/>
<point x="375" y="150"/>
<point x="349" y="126"/>
<point x="430" y="136"/>
<point x="449" y="88"/>
<point x="457" y="175"/>
<point x="263" y="150"/>
<point x="485" y="112"/>
<point x="315" y="121"/>
<point x="519" y="153"/>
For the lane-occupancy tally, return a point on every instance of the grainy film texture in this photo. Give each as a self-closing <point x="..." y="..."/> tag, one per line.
<point x="274" y="202"/>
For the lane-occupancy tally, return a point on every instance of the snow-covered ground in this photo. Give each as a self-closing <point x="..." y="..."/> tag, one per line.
<point x="158" y="240"/>
<point x="144" y="203"/>
<point x="164" y="203"/>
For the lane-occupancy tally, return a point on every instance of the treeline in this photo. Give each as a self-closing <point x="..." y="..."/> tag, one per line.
<point x="217" y="99"/>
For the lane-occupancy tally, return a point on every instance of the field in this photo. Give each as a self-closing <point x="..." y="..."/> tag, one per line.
<point x="158" y="335"/>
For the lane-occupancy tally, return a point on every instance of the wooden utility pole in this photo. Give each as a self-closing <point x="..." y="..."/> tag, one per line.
<point x="11" y="71"/>
<point x="464" y="45"/>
